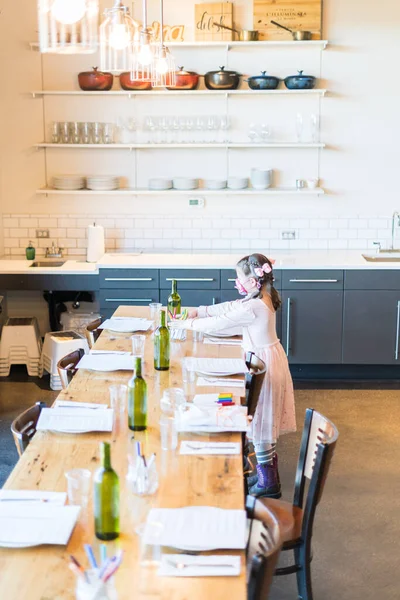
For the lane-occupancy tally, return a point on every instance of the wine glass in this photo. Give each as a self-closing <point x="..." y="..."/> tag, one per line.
<point x="189" y="127"/>
<point x="265" y="132"/>
<point x="150" y="126"/>
<point x="252" y="132"/>
<point x="299" y="127"/>
<point x="314" y="127"/>
<point x="224" y="126"/>
<point x="200" y="127"/>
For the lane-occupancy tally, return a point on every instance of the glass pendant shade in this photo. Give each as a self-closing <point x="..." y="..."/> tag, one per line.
<point x="68" y="26"/>
<point x="164" y="68"/>
<point x="117" y="36"/>
<point x="143" y="57"/>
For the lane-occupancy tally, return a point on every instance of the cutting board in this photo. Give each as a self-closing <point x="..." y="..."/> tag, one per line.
<point x="305" y="15"/>
<point x="208" y="17"/>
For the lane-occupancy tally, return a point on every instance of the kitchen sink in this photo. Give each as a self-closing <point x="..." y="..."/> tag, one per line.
<point x="392" y="256"/>
<point x="48" y="264"/>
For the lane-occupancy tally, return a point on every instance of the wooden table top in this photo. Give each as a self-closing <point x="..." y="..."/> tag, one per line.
<point x="42" y="573"/>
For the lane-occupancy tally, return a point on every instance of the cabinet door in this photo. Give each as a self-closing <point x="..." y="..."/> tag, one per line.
<point x="312" y="326"/>
<point x="371" y="327"/>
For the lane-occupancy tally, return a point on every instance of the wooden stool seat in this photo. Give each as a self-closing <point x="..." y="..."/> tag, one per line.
<point x="289" y="517"/>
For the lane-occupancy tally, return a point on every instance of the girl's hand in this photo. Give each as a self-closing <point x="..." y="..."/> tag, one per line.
<point x="192" y="314"/>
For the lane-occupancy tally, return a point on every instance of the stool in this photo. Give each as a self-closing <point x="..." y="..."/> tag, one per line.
<point x="20" y="345"/>
<point x="56" y="345"/>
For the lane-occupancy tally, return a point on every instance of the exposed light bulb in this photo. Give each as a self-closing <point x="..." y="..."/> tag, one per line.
<point x="162" y="66"/>
<point x="145" y="55"/>
<point x="68" y="12"/>
<point x="119" y="36"/>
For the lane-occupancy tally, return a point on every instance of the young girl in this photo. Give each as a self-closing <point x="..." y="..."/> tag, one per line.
<point x="256" y="314"/>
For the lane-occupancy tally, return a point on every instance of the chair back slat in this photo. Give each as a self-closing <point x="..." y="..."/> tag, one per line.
<point x="322" y="431"/>
<point x="23" y="428"/>
<point x="93" y="332"/>
<point x="66" y="366"/>
<point x="254" y="380"/>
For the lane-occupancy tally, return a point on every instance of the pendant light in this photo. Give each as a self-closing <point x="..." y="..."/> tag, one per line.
<point x="144" y="50"/>
<point x="68" y="26"/>
<point x="118" y="32"/>
<point x="164" y="64"/>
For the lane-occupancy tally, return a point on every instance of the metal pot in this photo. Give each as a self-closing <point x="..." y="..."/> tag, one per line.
<point x="91" y="81"/>
<point x="298" y="36"/>
<point x="222" y="80"/>
<point x="245" y="35"/>
<point x="185" y="80"/>
<point x="263" y="82"/>
<point x="127" y="83"/>
<point x="300" y="82"/>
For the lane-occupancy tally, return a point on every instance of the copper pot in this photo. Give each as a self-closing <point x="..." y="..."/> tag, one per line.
<point x="91" y="81"/>
<point x="185" y="80"/>
<point x="127" y="83"/>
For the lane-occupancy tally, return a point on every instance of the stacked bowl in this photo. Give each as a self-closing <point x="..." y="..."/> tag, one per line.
<point x="102" y="183"/>
<point x="68" y="182"/>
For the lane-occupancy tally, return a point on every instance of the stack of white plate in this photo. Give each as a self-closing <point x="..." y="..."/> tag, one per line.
<point x="185" y="183"/>
<point x="238" y="183"/>
<point x="214" y="184"/>
<point x="102" y="183"/>
<point x="158" y="183"/>
<point x="69" y="182"/>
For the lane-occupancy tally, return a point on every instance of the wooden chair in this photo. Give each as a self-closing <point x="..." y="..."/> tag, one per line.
<point x="66" y="366"/>
<point x="263" y="549"/>
<point x="296" y="519"/>
<point x="23" y="428"/>
<point x="254" y="380"/>
<point x="93" y="332"/>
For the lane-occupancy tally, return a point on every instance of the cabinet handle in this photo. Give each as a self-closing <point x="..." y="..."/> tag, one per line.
<point x="232" y="280"/>
<point x="188" y="279"/>
<point x="396" y="352"/>
<point x="289" y="306"/>
<point x="314" y="280"/>
<point x="129" y="299"/>
<point x="128" y="279"/>
<point x="214" y="301"/>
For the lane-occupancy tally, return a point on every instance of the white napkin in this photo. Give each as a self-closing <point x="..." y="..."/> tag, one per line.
<point x="126" y="324"/>
<point x="218" y="367"/>
<point x="79" y="405"/>
<point x="22" y="496"/>
<point x="109" y="352"/>
<point x="196" y="528"/>
<point x="187" y="565"/>
<point x="213" y="420"/>
<point x="206" y="399"/>
<point x="73" y="420"/>
<point x="223" y="341"/>
<point x="106" y="362"/>
<point x="219" y="382"/>
<point x="201" y="448"/>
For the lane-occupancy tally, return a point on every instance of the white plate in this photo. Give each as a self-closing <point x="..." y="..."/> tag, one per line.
<point x="217" y="375"/>
<point x="72" y="431"/>
<point x="17" y="545"/>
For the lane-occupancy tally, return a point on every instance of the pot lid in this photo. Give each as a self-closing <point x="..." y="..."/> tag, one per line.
<point x="300" y="76"/>
<point x="263" y="76"/>
<point x="94" y="71"/>
<point x="181" y="71"/>
<point x="222" y="71"/>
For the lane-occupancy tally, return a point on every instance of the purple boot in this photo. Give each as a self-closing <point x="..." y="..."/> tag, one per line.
<point x="268" y="484"/>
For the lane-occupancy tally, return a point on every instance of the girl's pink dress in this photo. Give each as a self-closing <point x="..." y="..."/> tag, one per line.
<point x="275" y="413"/>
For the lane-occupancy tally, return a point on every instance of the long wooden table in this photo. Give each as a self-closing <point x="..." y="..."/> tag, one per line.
<point x="42" y="573"/>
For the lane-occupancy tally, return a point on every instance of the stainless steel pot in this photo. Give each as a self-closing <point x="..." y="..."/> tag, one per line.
<point x="245" y="35"/>
<point x="298" y="36"/>
<point x="222" y="80"/>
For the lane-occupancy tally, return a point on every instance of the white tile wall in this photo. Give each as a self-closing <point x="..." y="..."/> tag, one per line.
<point x="165" y="232"/>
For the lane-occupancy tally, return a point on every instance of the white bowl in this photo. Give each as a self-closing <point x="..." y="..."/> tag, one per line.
<point x="185" y="183"/>
<point x="214" y="184"/>
<point x="238" y="183"/>
<point x="159" y="183"/>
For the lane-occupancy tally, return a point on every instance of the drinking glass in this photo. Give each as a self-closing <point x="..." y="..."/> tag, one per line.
<point x="299" y="127"/>
<point x="150" y="543"/>
<point x="224" y="126"/>
<point x="94" y="588"/>
<point x="175" y="129"/>
<point x="188" y="373"/>
<point x="314" y="127"/>
<point x="138" y="343"/>
<point x="200" y="127"/>
<point x="155" y="309"/>
<point x="64" y="129"/>
<point x="55" y="132"/>
<point x="197" y="336"/>
<point x="190" y="127"/>
<point x="85" y="130"/>
<point x="75" y="133"/>
<point x="168" y="433"/>
<point x="108" y="133"/>
<point x="97" y="133"/>
<point x="171" y="399"/>
<point x="78" y="486"/>
<point x="265" y="132"/>
<point x="118" y="398"/>
<point x="182" y="127"/>
<point x="252" y="132"/>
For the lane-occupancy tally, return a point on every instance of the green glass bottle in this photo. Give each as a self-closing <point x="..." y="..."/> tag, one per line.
<point x="174" y="301"/>
<point x="106" y="497"/>
<point x="161" y="345"/>
<point x="137" y="399"/>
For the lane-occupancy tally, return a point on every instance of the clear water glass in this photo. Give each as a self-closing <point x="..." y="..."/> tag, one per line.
<point x="64" y="131"/>
<point x="171" y="399"/>
<point x="97" y="133"/>
<point x="93" y="588"/>
<point x="78" y="486"/>
<point x="75" y="133"/>
<point x="314" y="128"/>
<point x="138" y="344"/>
<point x="85" y="129"/>
<point x="197" y="336"/>
<point x="150" y="543"/>
<point x="299" y="127"/>
<point x="118" y="400"/>
<point x="188" y="373"/>
<point x="252" y="132"/>
<point x="168" y="433"/>
<point x="55" y="132"/>
<point x="155" y="310"/>
<point x="108" y="133"/>
<point x="265" y="132"/>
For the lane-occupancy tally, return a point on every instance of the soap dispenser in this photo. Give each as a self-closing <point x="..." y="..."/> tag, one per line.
<point x="30" y="252"/>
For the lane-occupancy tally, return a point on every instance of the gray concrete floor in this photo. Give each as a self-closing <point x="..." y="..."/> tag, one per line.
<point x="356" y="539"/>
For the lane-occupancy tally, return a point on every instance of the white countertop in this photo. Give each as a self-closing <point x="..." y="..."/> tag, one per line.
<point x="299" y="259"/>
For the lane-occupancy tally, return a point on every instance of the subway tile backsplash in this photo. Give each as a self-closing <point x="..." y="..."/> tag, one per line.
<point x="164" y="232"/>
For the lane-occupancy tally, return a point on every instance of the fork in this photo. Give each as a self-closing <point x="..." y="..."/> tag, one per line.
<point x="181" y="565"/>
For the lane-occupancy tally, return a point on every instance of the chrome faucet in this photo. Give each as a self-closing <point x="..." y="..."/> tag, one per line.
<point x="53" y="252"/>
<point x="395" y="216"/>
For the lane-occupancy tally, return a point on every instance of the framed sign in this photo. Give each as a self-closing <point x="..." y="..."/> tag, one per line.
<point x="304" y="15"/>
<point x="209" y="17"/>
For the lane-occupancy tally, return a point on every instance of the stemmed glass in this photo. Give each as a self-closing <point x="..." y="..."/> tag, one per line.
<point x="299" y="127"/>
<point x="314" y="127"/>
<point x="200" y="128"/>
<point x="252" y="132"/>
<point x="189" y="128"/>
<point x="224" y="126"/>
<point x="150" y="126"/>
<point x="265" y="132"/>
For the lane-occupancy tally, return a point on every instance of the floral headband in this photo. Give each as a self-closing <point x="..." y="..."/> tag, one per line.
<point x="266" y="268"/>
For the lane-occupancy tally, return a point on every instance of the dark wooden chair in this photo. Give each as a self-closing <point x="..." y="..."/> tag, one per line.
<point x="23" y="428"/>
<point x="263" y="549"/>
<point x="296" y="519"/>
<point x="93" y="332"/>
<point x="66" y="366"/>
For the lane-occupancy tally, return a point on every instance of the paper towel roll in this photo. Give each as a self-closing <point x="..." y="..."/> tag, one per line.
<point x="96" y="246"/>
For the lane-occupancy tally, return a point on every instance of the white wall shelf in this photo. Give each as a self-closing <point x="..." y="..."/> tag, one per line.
<point x="319" y="44"/>
<point x="181" y="145"/>
<point x="195" y="193"/>
<point x="222" y="93"/>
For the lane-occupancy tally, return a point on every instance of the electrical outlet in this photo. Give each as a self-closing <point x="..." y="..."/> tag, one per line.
<point x="196" y="202"/>
<point x="288" y="235"/>
<point x="42" y="233"/>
